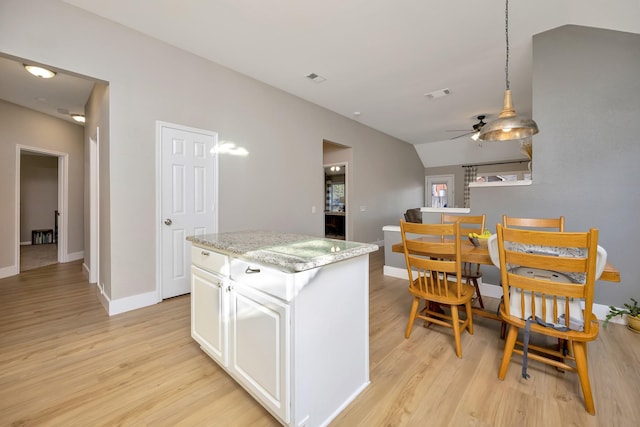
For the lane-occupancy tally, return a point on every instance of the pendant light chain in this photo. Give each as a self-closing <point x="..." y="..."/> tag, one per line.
<point x="506" y="36"/>
<point x="508" y="126"/>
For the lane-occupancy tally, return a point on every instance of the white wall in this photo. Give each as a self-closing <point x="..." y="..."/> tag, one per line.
<point x="463" y="151"/>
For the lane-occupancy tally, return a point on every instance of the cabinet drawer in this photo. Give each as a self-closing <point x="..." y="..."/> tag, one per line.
<point x="269" y="280"/>
<point x="209" y="260"/>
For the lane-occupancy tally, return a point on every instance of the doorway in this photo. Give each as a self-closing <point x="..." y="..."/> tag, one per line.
<point x="41" y="207"/>
<point x="335" y="205"/>
<point x="337" y="193"/>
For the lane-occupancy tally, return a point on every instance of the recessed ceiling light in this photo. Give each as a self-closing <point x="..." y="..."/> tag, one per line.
<point x="78" y="117"/>
<point x="43" y="73"/>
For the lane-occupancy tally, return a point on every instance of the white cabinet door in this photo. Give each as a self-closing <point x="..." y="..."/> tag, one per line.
<point x="209" y="314"/>
<point x="260" y="354"/>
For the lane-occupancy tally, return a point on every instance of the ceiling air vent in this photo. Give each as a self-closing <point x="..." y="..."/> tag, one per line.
<point x="315" y="77"/>
<point x="438" y="93"/>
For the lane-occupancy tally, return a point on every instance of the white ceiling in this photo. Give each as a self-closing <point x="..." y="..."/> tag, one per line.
<point x="379" y="57"/>
<point x="60" y="96"/>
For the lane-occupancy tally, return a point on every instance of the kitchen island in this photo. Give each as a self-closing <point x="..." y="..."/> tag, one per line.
<point x="287" y="316"/>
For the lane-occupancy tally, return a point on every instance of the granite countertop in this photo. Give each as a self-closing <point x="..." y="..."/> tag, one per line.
<point x="291" y="252"/>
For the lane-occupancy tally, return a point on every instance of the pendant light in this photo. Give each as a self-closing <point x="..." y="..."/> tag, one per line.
<point x="508" y="126"/>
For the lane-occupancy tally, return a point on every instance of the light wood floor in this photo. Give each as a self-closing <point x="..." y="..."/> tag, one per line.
<point x="64" y="362"/>
<point x="34" y="256"/>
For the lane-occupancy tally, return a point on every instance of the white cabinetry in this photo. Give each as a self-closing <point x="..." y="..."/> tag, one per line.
<point x="297" y="342"/>
<point x="260" y="331"/>
<point x="209" y="314"/>
<point x="209" y="303"/>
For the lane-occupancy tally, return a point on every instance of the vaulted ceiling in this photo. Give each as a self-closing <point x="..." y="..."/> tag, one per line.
<point x="378" y="58"/>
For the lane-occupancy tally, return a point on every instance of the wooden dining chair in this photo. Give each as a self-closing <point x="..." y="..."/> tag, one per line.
<point x="542" y="224"/>
<point x="432" y="254"/>
<point x="556" y="224"/>
<point x="546" y="276"/>
<point x="468" y="224"/>
<point x="413" y="215"/>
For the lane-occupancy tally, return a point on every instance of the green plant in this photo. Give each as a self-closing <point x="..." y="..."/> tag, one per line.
<point x="629" y="310"/>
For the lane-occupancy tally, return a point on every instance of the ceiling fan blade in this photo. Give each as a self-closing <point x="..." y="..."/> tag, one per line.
<point x="464" y="134"/>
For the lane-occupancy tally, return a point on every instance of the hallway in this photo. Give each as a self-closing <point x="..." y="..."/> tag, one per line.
<point x="34" y="256"/>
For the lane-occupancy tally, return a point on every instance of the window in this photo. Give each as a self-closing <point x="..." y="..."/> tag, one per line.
<point x="439" y="191"/>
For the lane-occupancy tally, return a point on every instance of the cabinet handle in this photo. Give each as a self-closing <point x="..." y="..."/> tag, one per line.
<point x="250" y="270"/>
<point x="204" y="253"/>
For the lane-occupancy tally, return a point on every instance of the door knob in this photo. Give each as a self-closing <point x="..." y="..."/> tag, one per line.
<point x="168" y="221"/>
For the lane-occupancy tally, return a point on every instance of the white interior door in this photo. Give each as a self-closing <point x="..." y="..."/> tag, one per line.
<point x="188" y="200"/>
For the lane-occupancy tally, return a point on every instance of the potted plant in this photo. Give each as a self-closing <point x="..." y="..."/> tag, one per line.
<point x="632" y="312"/>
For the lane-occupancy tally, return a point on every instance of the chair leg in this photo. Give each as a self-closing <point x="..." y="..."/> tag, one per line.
<point x="469" y="317"/>
<point x="456" y="329"/>
<point x="475" y="283"/>
<point x="508" y="351"/>
<point x="580" y="352"/>
<point x="412" y="316"/>
<point x="503" y="330"/>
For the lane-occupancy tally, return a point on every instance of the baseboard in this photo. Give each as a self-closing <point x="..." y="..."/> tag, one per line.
<point x="400" y="273"/>
<point x="75" y="256"/>
<point x="102" y="297"/>
<point x="133" y="302"/>
<point x="12" y="270"/>
<point x="495" y="291"/>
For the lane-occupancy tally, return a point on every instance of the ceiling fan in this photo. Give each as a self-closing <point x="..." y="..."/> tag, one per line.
<point x="476" y="128"/>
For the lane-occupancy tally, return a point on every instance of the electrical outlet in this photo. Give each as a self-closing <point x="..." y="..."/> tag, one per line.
<point x="313" y="209"/>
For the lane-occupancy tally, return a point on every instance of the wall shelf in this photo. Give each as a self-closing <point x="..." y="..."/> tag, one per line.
<point x="500" y="183"/>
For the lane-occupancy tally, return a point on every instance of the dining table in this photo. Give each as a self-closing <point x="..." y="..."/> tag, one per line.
<point x="480" y="255"/>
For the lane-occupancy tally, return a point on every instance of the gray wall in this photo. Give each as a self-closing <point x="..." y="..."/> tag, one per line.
<point x="149" y="80"/>
<point x="21" y="126"/>
<point x="586" y="92"/>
